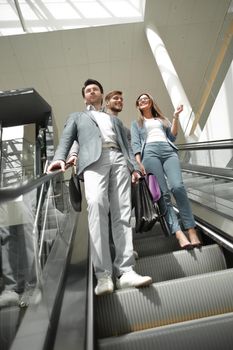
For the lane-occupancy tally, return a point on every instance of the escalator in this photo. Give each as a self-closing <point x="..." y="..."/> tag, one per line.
<point x="189" y="304"/>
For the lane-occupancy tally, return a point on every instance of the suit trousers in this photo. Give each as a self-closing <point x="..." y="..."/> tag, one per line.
<point x="107" y="184"/>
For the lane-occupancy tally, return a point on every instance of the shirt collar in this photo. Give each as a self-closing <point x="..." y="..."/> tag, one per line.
<point x="92" y="108"/>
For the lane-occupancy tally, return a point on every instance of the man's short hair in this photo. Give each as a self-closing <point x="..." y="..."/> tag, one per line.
<point x="111" y="94"/>
<point x="90" y="82"/>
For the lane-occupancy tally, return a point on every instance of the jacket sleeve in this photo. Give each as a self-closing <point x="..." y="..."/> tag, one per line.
<point x="169" y="134"/>
<point x="132" y="164"/>
<point x="69" y="135"/>
<point x="131" y="154"/>
<point x="74" y="150"/>
<point x="135" y="138"/>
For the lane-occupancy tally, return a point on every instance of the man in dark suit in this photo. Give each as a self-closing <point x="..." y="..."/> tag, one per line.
<point x="105" y="164"/>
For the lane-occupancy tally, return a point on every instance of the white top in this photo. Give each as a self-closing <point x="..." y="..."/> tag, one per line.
<point x="106" y="127"/>
<point x="155" y="131"/>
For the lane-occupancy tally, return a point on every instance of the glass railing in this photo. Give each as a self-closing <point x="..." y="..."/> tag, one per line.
<point x="36" y="227"/>
<point x="208" y="174"/>
<point x="18" y="154"/>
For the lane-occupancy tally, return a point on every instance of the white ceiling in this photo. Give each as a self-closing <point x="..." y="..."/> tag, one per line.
<point x="23" y="16"/>
<point x="56" y="63"/>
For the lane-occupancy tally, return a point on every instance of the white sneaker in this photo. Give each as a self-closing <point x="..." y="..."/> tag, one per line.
<point x="132" y="279"/>
<point x="104" y="286"/>
<point x="9" y="298"/>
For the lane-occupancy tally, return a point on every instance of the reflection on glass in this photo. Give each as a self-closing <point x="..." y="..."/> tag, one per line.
<point x="28" y="229"/>
<point x="29" y="226"/>
<point x="207" y="175"/>
<point x="18" y="154"/>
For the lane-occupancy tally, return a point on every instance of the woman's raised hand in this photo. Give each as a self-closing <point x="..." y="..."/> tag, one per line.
<point x="178" y="110"/>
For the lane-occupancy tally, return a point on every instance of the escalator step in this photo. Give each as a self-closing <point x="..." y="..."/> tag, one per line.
<point x="209" y="333"/>
<point x="155" y="245"/>
<point x="182" y="263"/>
<point x="156" y="231"/>
<point x="9" y="322"/>
<point x="164" y="303"/>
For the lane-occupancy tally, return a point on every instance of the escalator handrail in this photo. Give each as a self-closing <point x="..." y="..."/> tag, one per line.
<point x="10" y="193"/>
<point x="203" y="170"/>
<point x="206" y="145"/>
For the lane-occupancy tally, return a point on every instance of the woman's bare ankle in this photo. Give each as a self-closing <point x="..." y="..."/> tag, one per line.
<point x="193" y="237"/>
<point x="179" y="233"/>
<point x="183" y="240"/>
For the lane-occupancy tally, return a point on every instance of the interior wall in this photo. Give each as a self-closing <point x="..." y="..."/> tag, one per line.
<point x="219" y="125"/>
<point x="57" y="63"/>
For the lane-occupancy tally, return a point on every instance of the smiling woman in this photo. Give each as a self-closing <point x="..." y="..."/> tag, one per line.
<point x="49" y="15"/>
<point x="153" y="138"/>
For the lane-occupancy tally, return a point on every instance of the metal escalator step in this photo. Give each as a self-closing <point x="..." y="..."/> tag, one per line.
<point x="9" y="321"/>
<point x="155" y="231"/>
<point x="209" y="333"/>
<point x="182" y="263"/>
<point x="155" y="245"/>
<point x="164" y="303"/>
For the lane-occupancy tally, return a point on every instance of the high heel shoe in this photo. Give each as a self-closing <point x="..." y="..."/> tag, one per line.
<point x="194" y="239"/>
<point x="183" y="241"/>
<point x="187" y="246"/>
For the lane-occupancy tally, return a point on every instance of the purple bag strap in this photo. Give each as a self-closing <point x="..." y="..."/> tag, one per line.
<point x="153" y="187"/>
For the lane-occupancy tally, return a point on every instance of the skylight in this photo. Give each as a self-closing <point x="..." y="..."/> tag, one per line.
<point x="31" y="16"/>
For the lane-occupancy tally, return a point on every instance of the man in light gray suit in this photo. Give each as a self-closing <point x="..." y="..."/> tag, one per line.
<point x="113" y="106"/>
<point x="105" y="164"/>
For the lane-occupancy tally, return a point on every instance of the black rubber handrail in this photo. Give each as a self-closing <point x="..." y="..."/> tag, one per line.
<point x="10" y="193"/>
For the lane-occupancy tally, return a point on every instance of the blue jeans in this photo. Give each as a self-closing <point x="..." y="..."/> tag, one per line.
<point x="161" y="159"/>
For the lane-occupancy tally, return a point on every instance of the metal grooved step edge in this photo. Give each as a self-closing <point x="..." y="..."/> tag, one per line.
<point x="182" y="263"/>
<point x="209" y="333"/>
<point x="155" y="245"/>
<point x="164" y="303"/>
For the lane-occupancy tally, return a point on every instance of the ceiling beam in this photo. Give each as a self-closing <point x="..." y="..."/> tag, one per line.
<point x="18" y="9"/>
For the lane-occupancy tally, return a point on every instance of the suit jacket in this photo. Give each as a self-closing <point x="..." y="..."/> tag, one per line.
<point x="83" y="128"/>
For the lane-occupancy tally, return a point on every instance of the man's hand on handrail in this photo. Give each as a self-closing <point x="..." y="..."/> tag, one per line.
<point x="56" y="165"/>
<point x="72" y="160"/>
